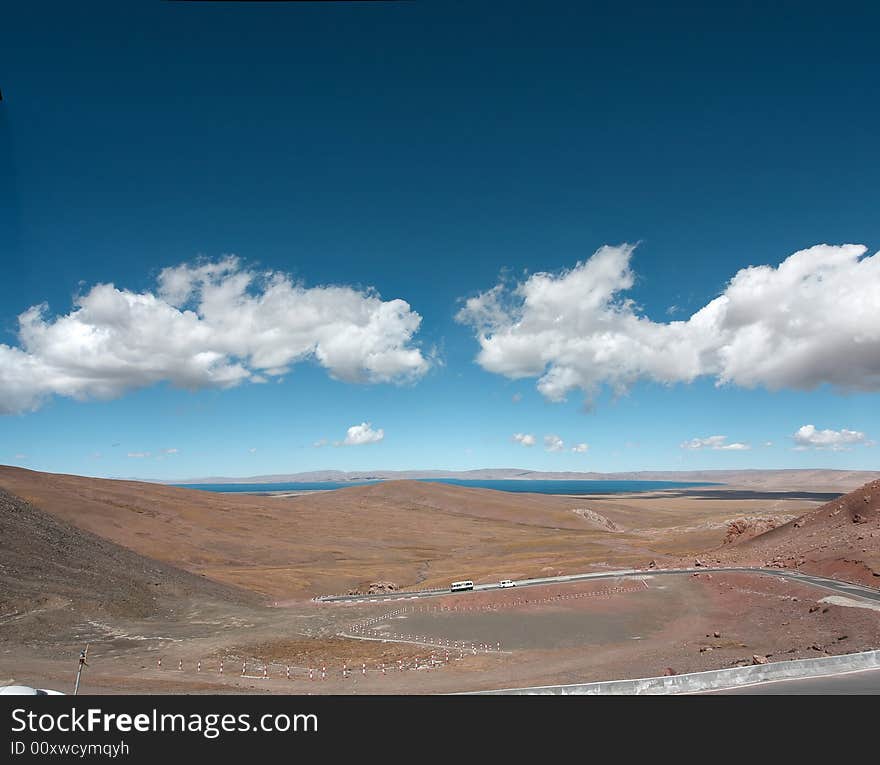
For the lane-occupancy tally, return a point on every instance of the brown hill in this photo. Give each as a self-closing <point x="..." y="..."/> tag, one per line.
<point x="406" y="532"/>
<point x="841" y="538"/>
<point x="56" y="574"/>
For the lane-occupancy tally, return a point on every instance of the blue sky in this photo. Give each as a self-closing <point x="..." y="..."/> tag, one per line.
<point x="430" y="151"/>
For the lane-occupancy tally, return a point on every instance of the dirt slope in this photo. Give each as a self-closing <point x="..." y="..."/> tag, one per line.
<point x="49" y="567"/>
<point x="841" y="538"/>
<point x="406" y="532"/>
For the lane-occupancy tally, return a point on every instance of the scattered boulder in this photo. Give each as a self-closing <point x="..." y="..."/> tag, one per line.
<point x="716" y="634"/>
<point x="699" y="564"/>
<point x="751" y="526"/>
<point x="379" y="588"/>
<point x="759" y="659"/>
<point x="669" y="672"/>
<point x="652" y="564"/>
<point x="374" y="588"/>
<point x="606" y="524"/>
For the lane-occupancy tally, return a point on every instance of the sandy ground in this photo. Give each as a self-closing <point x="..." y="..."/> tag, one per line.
<point x="477" y="641"/>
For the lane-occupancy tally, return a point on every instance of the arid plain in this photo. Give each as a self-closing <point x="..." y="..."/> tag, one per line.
<point x="144" y="572"/>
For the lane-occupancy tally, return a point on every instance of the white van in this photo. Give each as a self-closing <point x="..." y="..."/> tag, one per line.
<point x="507" y="583"/>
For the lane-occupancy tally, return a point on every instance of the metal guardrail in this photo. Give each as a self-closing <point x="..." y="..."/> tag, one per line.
<point x="717" y="679"/>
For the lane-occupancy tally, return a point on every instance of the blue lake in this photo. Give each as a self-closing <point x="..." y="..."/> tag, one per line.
<point x="514" y="485"/>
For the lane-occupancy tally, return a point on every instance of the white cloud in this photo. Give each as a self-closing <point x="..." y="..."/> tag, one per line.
<point x="252" y="450"/>
<point x="213" y="324"/>
<point x="172" y="451"/>
<point x="716" y="443"/>
<point x="580" y="448"/>
<point x="807" y="437"/>
<point x="526" y="439"/>
<point x="363" y="434"/>
<point x="319" y="443"/>
<point x="811" y="320"/>
<point x="139" y="455"/>
<point x="553" y="443"/>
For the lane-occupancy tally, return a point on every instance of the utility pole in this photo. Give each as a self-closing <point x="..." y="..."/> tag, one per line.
<point x="83" y="655"/>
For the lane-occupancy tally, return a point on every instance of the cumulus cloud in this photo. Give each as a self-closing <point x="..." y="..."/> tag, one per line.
<point x="212" y="324"/>
<point x="715" y="442"/>
<point x="580" y="448"/>
<point x="526" y="439"/>
<point x="362" y="434"/>
<point x="807" y="437"/>
<point x="553" y="443"/>
<point x="810" y="320"/>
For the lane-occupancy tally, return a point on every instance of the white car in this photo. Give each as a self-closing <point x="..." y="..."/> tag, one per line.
<point x="507" y="583"/>
<point x="26" y="690"/>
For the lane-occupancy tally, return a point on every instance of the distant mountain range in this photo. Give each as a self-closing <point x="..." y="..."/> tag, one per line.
<point x="807" y="478"/>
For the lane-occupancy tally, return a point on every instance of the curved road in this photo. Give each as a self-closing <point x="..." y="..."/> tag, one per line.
<point x="863" y="682"/>
<point x="834" y="585"/>
<point x="867" y="681"/>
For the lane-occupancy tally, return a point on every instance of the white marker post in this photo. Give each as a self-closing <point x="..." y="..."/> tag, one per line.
<point x="83" y="655"/>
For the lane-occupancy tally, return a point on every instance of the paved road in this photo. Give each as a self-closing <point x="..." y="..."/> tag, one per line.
<point x="833" y="585"/>
<point x="850" y="683"/>
<point x="864" y="682"/>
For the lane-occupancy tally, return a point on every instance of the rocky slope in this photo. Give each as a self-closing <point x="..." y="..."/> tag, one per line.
<point x="841" y="538"/>
<point x="56" y="573"/>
